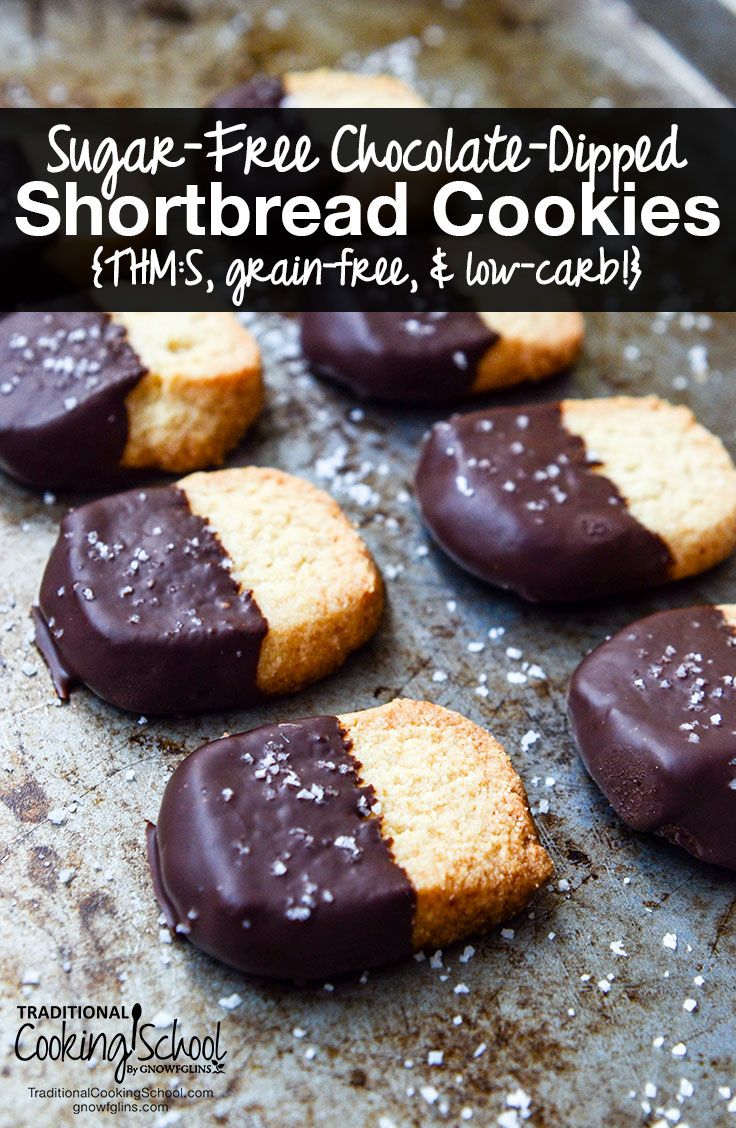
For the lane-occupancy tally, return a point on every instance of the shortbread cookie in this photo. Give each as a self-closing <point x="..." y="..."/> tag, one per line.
<point x="320" y="89"/>
<point x="653" y="711"/>
<point x="320" y="846"/>
<point x="212" y="593"/>
<point x="88" y="397"/>
<point x="438" y="357"/>
<point x="580" y="499"/>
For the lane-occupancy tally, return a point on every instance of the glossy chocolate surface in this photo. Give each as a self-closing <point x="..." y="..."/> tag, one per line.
<point x="137" y="602"/>
<point x="262" y="92"/>
<point x="653" y="711"/>
<point x="64" y="378"/>
<point x="511" y="496"/>
<point x="266" y="855"/>
<point x="404" y="357"/>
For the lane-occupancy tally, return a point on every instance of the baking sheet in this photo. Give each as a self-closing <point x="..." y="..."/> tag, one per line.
<point x="551" y="1014"/>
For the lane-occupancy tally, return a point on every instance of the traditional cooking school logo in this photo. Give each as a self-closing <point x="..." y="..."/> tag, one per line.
<point x="138" y="1048"/>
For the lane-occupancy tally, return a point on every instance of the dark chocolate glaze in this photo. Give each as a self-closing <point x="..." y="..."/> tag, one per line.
<point x="64" y="378"/>
<point x="511" y="496"/>
<point x="267" y="856"/>
<point x="262" y="92"/>
<point x="137" y="602"/>
<point x="653" y="711"/>
<point x="404" y="357"/>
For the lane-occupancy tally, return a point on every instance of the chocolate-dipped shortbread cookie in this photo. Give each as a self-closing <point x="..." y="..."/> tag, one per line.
<point x="87" y="398"/>
<point x="569" y="501"/>
<point x="438" y="357"/>
<point x="320" y="89"/>
<point x="212" y="593"/>
<point x="653" y="711"/>
<point x="321" y="846"/>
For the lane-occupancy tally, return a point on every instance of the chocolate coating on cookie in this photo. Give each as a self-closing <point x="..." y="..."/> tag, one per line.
<point x="653" y="711"/>
<point x="137" y="602"/>
<point x="404" y="357"/>
<point x="268" y="857"/>
<point x="512" y="497"/>
<point x="262" y="92"/>
<point x="64" y="378"/>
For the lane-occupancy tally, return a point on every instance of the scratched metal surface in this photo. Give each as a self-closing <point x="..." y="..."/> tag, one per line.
<point x="79" y="922"/>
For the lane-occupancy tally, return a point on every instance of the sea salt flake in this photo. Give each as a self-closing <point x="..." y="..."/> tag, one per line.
<point x="519" y="1099"/>
<point x="298" y="912"/>
<point x="347" y="842"/>
<point x="230" y="1002"/>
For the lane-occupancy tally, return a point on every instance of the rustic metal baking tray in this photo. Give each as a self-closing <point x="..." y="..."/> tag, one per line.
<point x="558" y="1027"/>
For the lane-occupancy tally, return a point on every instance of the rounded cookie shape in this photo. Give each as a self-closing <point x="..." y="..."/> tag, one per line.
<point x="323" y="88"/>
<point x="201" y="392"/>
<point x="321" y="846"/>
<point x="417" y="358"/>
<point x="576" y="500"/>
<point x="213" y="593"/>
<point x="88" y="397"/>
<point x="653" y="712"/>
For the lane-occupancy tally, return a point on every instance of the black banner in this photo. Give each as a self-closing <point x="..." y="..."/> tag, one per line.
<point x="322" y="209"/>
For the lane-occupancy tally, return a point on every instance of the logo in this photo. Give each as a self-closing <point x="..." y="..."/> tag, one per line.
<point x="138" y="1048"/>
